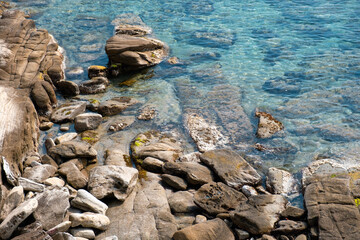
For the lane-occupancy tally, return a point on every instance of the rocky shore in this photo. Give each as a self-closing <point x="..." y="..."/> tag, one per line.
<point x="148" y="186"/>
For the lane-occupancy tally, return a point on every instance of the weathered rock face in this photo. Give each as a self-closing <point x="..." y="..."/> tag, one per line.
<point x="43" y="96"/>
<point x="259" y="214"/>
<point x="267" y="125"/>
<point x="217" y="198"/>
<point x="209" y="230"/>
<point x="231" y="168"/>
<point x="94" y="85"/>
<point x="115" y="105"/>
<point x="52" y="207"/>
<point x="73" y="149"/>
<point x="207" y="137"/>
<point x="68" y="111"/>
<point x="87" y="121"/>
<point x="110" y="180"/>
<point x="156" y="145"/>
<point x="152" y="164"/>
<point x="13" y="199"/>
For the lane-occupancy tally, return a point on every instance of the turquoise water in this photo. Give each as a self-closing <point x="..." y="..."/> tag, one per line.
<point x="298" y="60"/>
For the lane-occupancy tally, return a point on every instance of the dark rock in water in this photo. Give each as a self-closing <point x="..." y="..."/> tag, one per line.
<point x="201" y="7"/>
<point x="209" y="230"/>
<point x="263" y="33"/>
<point x="210" y="74"/>
<point x="259" y="214"/>
<point x="174" y="181"/>
<point x="110" y="180"/>
<point x="335" y="133"/>
<point x="182" y="202"/>
<point x="94" y="86"/>
<point x="73" y="149"/>
<point x="40" y="173"/>
<point x="115" y="105"/>
<point x="43" y="96"/>
<point x="130" y="24"/>
<point x="68" y="111"/>
<point x="282" y="85"/>
<point x="68" y="88"/>
<point x="217" y="198"/>
<point x="195" y="173"/>
<point x="157" y="145"/>
<point x="231" y="168"/>
<point x="267" y="125"/>
<point x="87" y="121"/>
<point x="205" y="56"/>
<point x="119" y="123"/>
<point x="218" y="39"/>
<point x="97" y="71"/>
<point x="58" y="201"/>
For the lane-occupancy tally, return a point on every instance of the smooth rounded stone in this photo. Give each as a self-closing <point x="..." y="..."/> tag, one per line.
<point x="217" y="198"/>
<point x="280" y="182"/>
<point x="17" y="216"/>
<point x="30" y="185"/>
<point x="94" y="85"/>
<point x="259" y="214"/>
<point x="44" y="126"/>
<point x="12" y="200"/>
<point x="55" y="182"/>
<point x="65" y="137"/>
<point x="115" y="105"/>
<point x="116" y="157"/>
<point x="200" y="219"/>
<point x="64" y="127"/>
<point x="63" y="236"/>
<point x="241" y="234"/>
<point x="87" y="202"/>
<point x="267" y="125"/>
<point x="110" y="180"/>
<point x="68" y="88"/>
<point x="73" y="175"/>
<point x="175" y="182"/>
<point x="206" y="137"/>
<point x="73" y="149"/>
<point x="266" y="237"/>
<point x="153" y="165"/>
<point x="147" y="113"/>
<point x="248" y="190"/>
<point x="86" y="233"/>
<point x="80" y="238"/>
<point x="67" y="112"/>
<point x="87" y="121"/>
<point x="33" y="235"/>
<point x="191" y="157"/>
<point x="157" y="145"/>
<point x="195" y="173"/>
<point x="301" y="237"/>
<point x="40" y="173"/>
<point x="61" y="227"/>
<point x="231" y="168"/>
<point x="97" y="71"/>
<point x="290" y="227"/>
<point x="89" y="220"/>
<point x="293" y="212"/>
<point x="182" y="202"/>
<point x="211" y="230"/>
<point x="55" y="199"/>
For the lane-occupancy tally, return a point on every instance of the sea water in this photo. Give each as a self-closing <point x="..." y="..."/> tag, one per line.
<point x="297" y="59"/>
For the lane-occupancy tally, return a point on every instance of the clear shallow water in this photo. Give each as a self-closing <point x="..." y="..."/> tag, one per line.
<point x="298" y="60"/>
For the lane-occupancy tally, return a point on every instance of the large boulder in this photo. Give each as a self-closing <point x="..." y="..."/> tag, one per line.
<point x="111" y="180"/>
<point x="231" y="168"/>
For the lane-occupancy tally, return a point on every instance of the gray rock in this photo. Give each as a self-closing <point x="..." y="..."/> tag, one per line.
<point x="86" y="233"/>
<point x="289" y="227"/>
<point x="195" y="173"/>
<point x="184" y="220"/>
<point x="116" y="157"/>
<point x="293" y="212"/>
<point x="62" y="227"/>
<point x="67" y="112"/>
<point x="39" y="173"/>
<point x="65" y="138"/>
<point x="58" y="201"/>
<point x="231" y="168"/>
<point x="87" y="121"/>
<point x="217" y="198"/>
<point x="12" y="200"/>
<point x="280" y="182"/>
<point x="249" y="190"/>
<point x="110" y="238"/>
<point x="68" y="88"/>
<point x="175" y="182"/>
<point x="191" y="157"/>
<point x="73" y="149"/>
<point x="182" y="202"/>
<point x="241" y="234"/>
<point x="94" y="86"/>
<point x="267" y="125"/>
<point x="10" y="176"/>
<point x="207" y="137"/>
<point x="211" y="230"/>
<point x="152" y="164"/>
<point x="115" y="105"/>
<point x="259" y="214"/>
<point x="87" y="202"/>
<point x="55" y="182"/>
<point x="91" y="220"/>
<point x="30" y="185"/>
<point x="119" y="123"/>
<point x="157" y="145"/>
<point x="17" y="216"/>
<point x="73" y="175"/>
<point x="109" y="180"/>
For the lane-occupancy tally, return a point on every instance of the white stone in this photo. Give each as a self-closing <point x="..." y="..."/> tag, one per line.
<point x="90" y="220"/>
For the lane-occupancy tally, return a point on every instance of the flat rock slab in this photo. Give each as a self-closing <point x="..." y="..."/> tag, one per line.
<point x="67" y="112"/>
<point x="231" y="168"/>
<point x="12" y="200"/>
<point x="195" y="173"/>
<point x="217" y="198"/>
<point x="259" y="214"/>
<point x="157" y="145"/>
<point x="73" y="149"/>
<point x="30" y="185"/>
<point x="111" y="180"/>
<point x="210" y="230"/>
<point x="115" y="105"/>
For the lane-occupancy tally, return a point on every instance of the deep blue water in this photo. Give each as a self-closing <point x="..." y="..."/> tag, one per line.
<point x="298" y="60"/>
